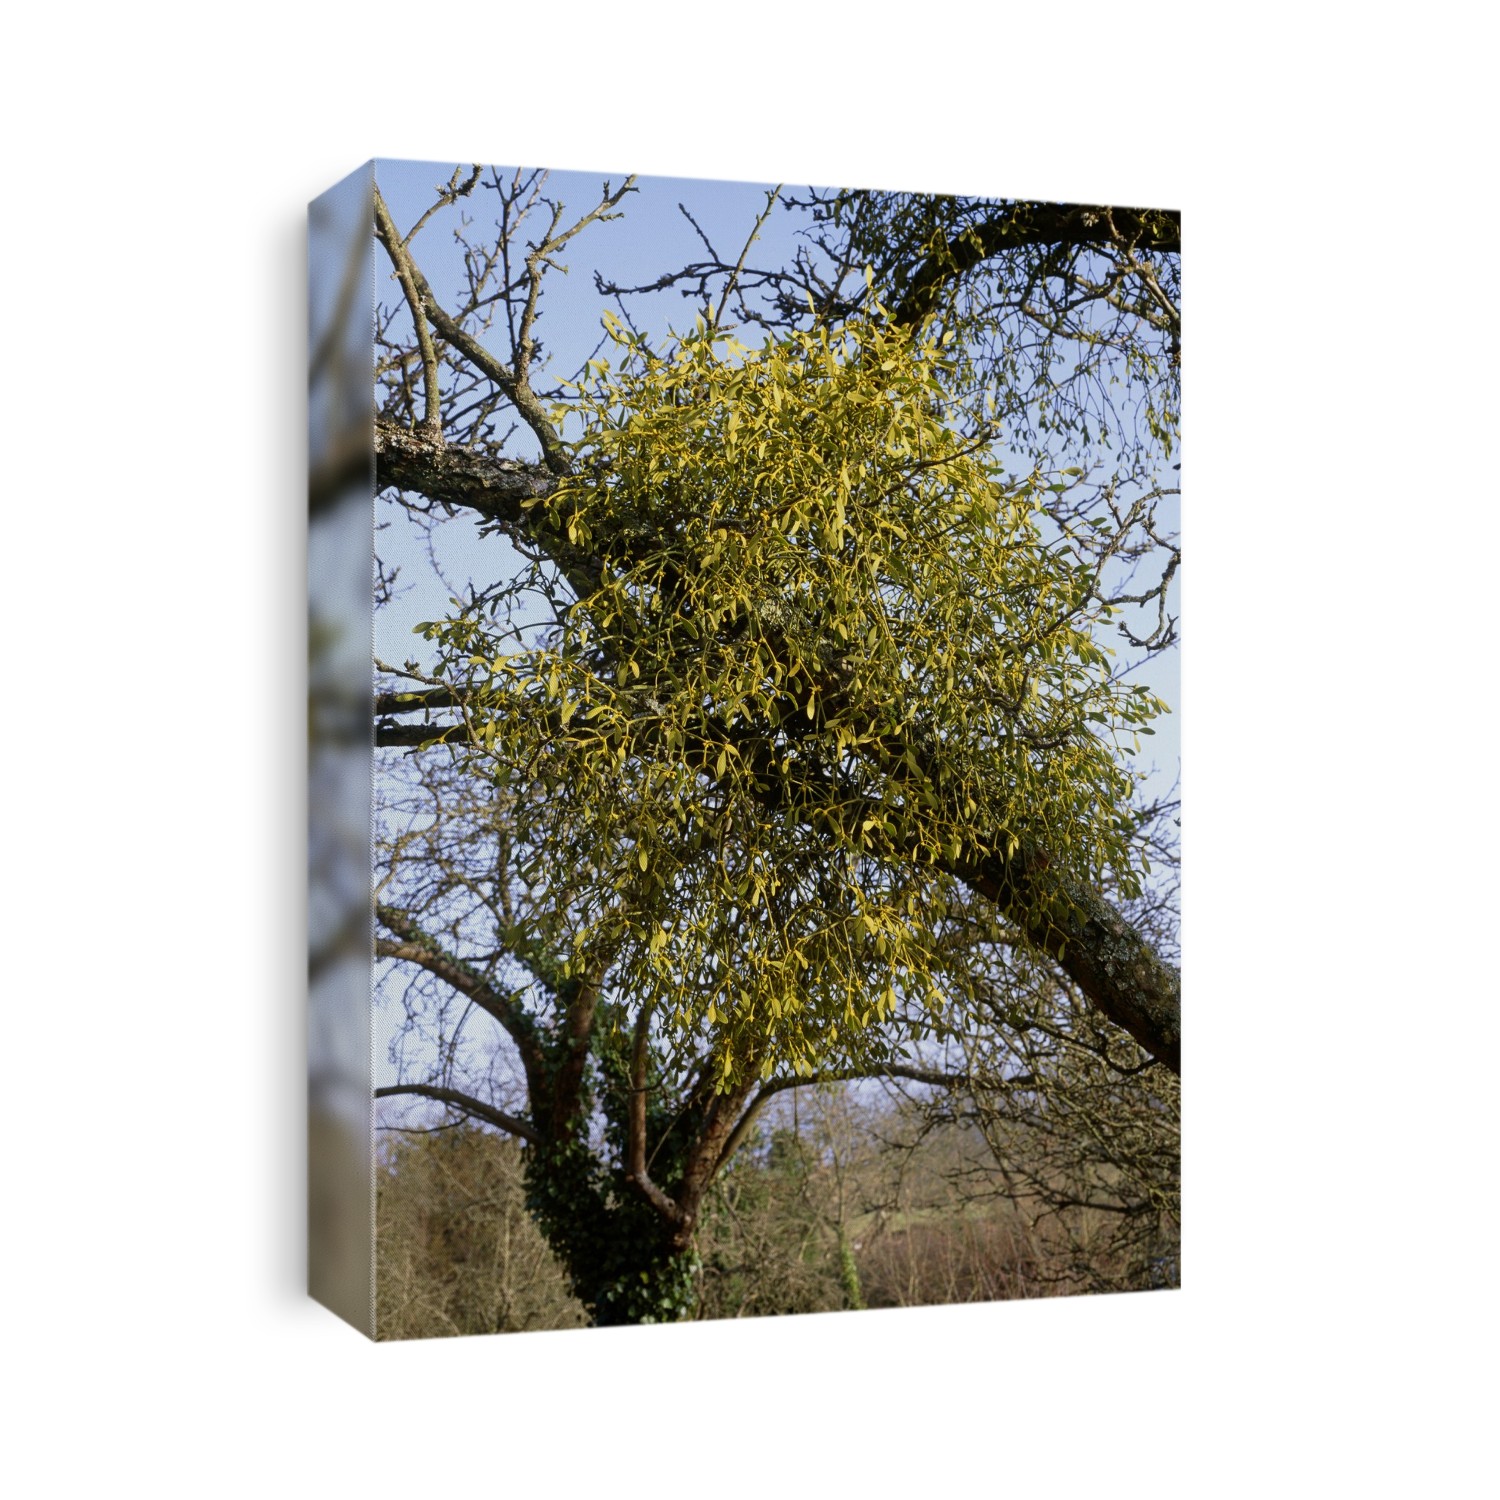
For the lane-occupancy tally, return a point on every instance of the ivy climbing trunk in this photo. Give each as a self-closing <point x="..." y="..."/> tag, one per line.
<point x="620" y="1256"/>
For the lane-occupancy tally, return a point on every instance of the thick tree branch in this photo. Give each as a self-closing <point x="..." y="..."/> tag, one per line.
<point x="708" y="1153"/>
<point x="576" y="1033"/>
<point x="415" y="700"/>
<point x="1018" y="224"/>
<point x="393" y="736"/>
<point x="636" y="1173"/>
<point x="342" y="466"/>
<point x="495" y="487"/>
<point x="418" y="948"/>
<point x="1116" y="969"/>
<point x="389" y="734"/>
<point x="476" y="1108"/>
<point x="1113" y="965"/>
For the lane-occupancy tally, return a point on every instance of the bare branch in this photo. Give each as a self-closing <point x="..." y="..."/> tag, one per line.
<point x="409" y="276"/>
<point x="458" y="187"/>
<point x="774" y="1086"/>
<point x="475" y="1108"/>
<point x="733" y="279"/>
<point x="416" y="947"/>
<point x="513" y="383"/>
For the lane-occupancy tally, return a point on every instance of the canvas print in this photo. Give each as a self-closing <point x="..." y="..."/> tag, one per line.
<point x="773" y="750"/>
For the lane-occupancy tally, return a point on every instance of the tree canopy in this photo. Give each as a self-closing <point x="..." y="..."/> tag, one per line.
<point x="798" y="746"/>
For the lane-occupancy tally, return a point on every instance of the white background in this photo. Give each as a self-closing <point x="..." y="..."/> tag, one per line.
<point x="1333" y="1333"/>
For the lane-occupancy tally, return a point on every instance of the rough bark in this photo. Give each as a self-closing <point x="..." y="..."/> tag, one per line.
<point x="1019" y="224"/>
<point x="1114" y="966"/>
<point x="494" y="487"/>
